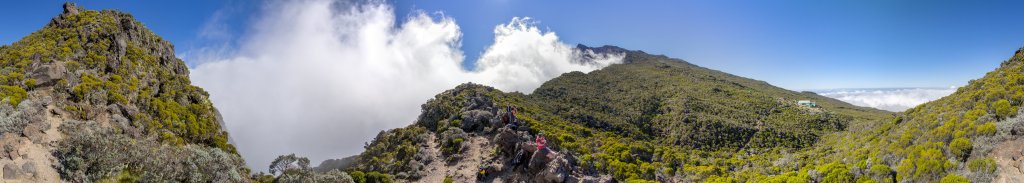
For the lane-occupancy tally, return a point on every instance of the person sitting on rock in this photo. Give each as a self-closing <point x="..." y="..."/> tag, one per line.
<point x="542" y="155"/>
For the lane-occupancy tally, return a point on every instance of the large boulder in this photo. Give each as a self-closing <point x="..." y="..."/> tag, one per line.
<point x="475" y="120"/>
<point x="508" y="141"/>
<point x="47" y="74"/>
<point x="554" y="170"/>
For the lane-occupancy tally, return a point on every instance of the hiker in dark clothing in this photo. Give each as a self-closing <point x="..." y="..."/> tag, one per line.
<point x="510" y="118"/>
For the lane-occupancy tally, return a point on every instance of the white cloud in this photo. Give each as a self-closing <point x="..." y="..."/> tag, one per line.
<point x="891" y="99"/>
<point x="321" y="77"/>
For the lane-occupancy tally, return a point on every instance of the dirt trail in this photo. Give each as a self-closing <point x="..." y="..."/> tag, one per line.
<point x="434" y="168"/>
<point x="31" y="155"/>
<point x="464" y="170"/>
<point x="1010" y="159"/>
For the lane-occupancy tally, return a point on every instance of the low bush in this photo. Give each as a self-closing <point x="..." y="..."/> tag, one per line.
<point x="91" y="153"/>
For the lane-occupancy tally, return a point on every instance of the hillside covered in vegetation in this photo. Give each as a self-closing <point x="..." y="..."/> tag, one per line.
<point x="655" y="118"/>
<point x="651" y="118"/>
<point x="95" y="96"/>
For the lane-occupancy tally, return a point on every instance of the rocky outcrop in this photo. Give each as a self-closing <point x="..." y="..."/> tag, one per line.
<point x="105" y="70"/>
<point x="47" y="73"/>
<point x="471" y="140"/>
<point x="476" y="120"/>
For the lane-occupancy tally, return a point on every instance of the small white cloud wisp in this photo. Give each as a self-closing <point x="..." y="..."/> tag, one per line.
<point x="321" y="77"/>
<point x="890" y="99"/>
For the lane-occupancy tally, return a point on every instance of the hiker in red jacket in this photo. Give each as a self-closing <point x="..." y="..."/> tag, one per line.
<point x="541" y="142"/>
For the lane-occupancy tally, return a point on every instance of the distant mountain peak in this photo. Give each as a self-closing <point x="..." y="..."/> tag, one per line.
<point x="603" y="49"/>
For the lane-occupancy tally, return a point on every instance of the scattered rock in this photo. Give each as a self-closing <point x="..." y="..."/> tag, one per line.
<point x="29" y="168"/>
<point x="35" y="133"/>
<point x="1020" y="166"/>
<point x="10" y="171"/>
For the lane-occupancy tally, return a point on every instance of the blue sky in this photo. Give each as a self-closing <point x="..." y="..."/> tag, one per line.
<point x="794" y="44"/>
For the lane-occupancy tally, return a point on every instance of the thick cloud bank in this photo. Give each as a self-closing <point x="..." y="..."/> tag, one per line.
<point x="890" y="99"/>
<point x="321" y="77"/>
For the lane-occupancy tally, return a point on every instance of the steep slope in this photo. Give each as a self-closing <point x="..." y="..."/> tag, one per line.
<point x="650" y="118"/>
<point x="94" y="95"/>
<point x="949" y="138"/>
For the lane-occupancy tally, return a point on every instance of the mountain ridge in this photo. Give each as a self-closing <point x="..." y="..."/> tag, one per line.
<point x="612" y="124"/>
<point x="96" y="96"/>
<point x="617" y="116"/>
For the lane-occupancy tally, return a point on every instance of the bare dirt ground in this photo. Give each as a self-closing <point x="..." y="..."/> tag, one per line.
<point x="1010" y="160"/>
<point x="31" y="158"/>
<point x="464" y="170"/>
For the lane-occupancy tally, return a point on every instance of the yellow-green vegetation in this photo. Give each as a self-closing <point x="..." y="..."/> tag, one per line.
<point x="661" y="117"/>
<point x="371" y="177"/>
<point x="391" y="151"/>
<point x="13" y="94"/>
<point x="953" y="178"/>
<point x="113" y="59"/>
<point x="932" y="141"/>
<point x="106" y="62"/>
<point x="656" y="118"/>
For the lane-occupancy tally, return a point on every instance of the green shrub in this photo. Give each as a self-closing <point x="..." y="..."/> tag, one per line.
<point x="953" y="178"/>
<point x="455" y="123"/>
<point x="377" y="177"/>
<point x="358" y="176"/>
<point x="13" y="94"/>
<point x="1004" y="109"/>
<point x="92" y="153"/>
<point x="986" y="129"/>
<point x="881" y="173"/>
<point x="836" y="173"/>
<point x="30" y="83"/>
<point x="961" y="148"/>
<point x="985" y="165"/>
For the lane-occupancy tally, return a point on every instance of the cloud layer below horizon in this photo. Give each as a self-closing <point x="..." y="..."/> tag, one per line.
<point x="319" y="78"/>
<point x="890" y="99"/>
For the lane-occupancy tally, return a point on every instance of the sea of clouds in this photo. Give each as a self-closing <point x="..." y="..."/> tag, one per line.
<point x="321" y="77"/>
<point x="890" y="99"/>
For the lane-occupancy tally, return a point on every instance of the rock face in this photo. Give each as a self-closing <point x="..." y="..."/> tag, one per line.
<point x="47" y="74"/>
